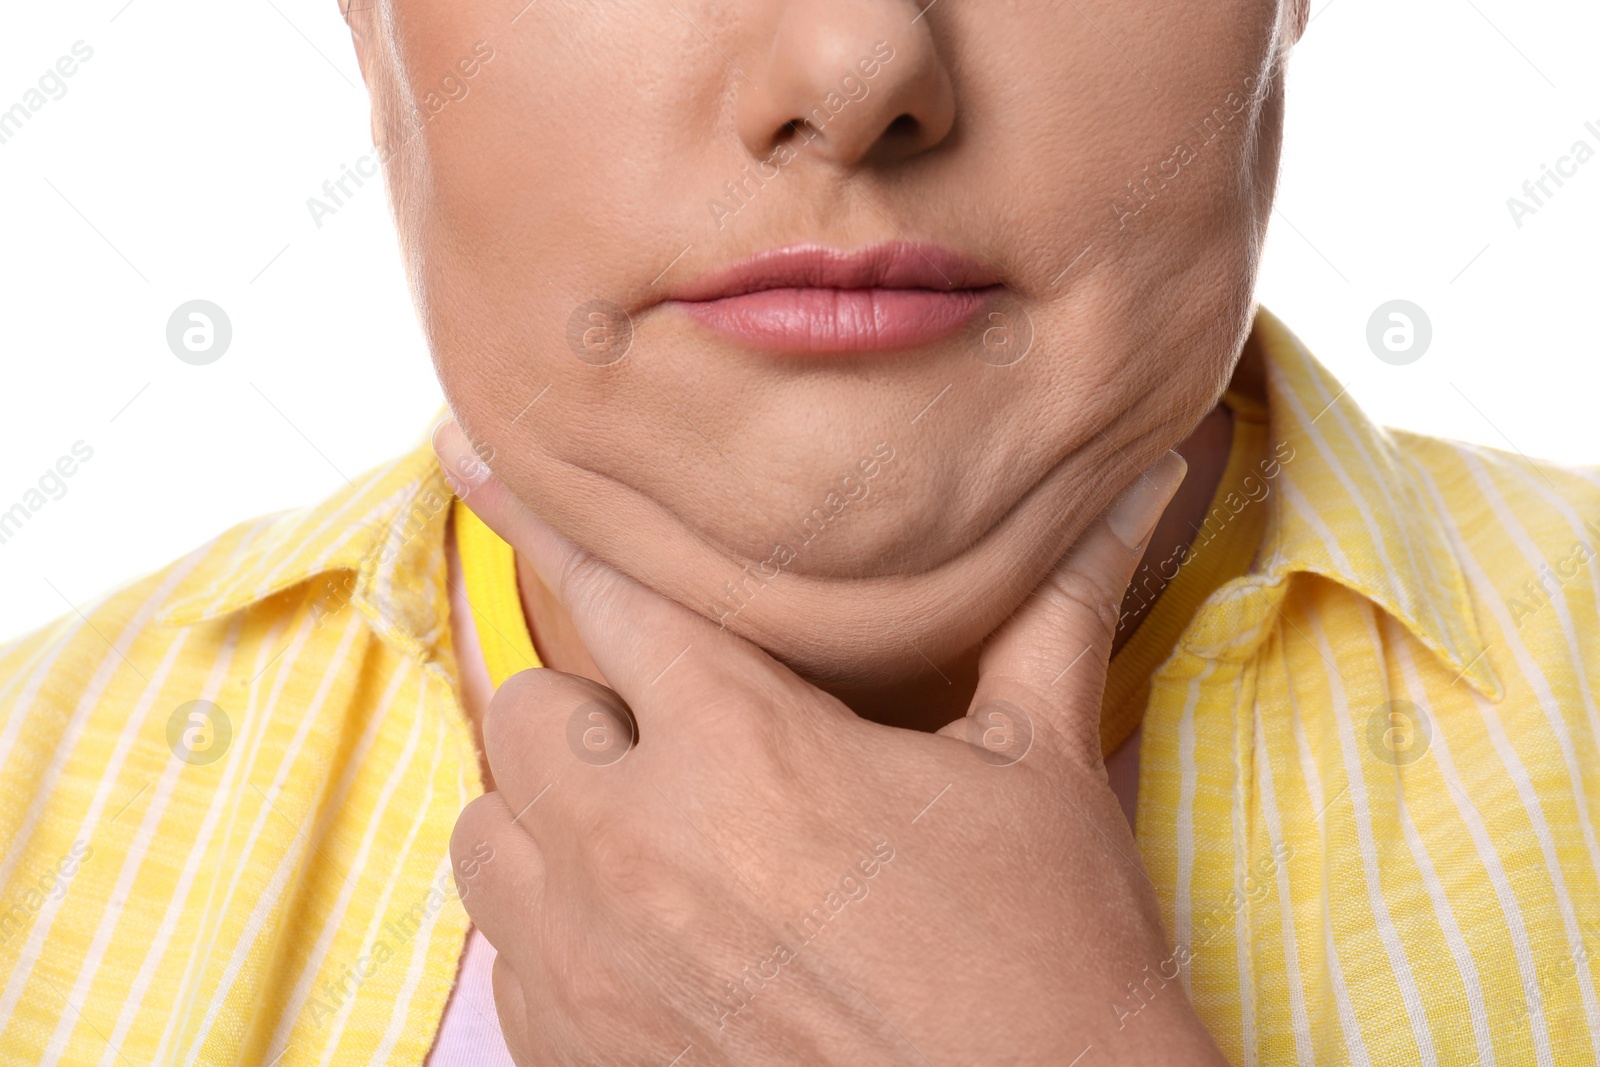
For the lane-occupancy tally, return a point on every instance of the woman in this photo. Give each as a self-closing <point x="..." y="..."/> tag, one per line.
<point x="842" y="329"/>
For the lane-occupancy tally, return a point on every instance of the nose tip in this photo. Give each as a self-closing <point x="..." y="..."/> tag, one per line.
<point x="855" y="87"/>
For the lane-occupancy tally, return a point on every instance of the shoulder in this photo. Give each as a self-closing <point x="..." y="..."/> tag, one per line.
<point x="1526" y="533"/>
<point x="279" y="600"/>
<point x="1507" y="510"/>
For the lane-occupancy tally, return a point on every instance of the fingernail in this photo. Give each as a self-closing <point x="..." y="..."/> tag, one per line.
<point x="461" y="467"/>
<point x="1135" y="513"/>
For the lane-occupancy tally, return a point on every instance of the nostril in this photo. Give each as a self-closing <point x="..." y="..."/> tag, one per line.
<point x="796" y="128"/>
<point x="904" y="127"/>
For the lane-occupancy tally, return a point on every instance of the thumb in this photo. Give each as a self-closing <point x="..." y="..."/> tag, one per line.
<point x="1042" y="674"/>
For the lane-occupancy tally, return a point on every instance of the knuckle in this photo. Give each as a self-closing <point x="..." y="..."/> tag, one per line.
<point x="1084" y="596"/>
<point x="506" y="708"/>
<point x="478" y="822"/>
<point x="751" y="730"/>
<point x="627" y="861"/>
<point x="513" y="705"/>
<point x="524" y="686"/>
<point x="583" y="577"/>
<point x="592" y="997"/>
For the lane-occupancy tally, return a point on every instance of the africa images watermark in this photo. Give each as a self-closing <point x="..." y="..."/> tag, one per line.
<point x="1142" y="990"/>
<point x="340" y="587"/>
<point x="1566" y="167"/>
<point x="852" y="89"/>
<point x="52" y="85"/>
<point x="853" y="486"/>
<point x="1553" y="577"/>
<point x="453" y="88"/>
<point x="737" y="993"/>
<point x="396" y="932"/>
<point x="52" y="885"/>
<point x="1152" y="577"/>
<point x="1147" y="187"/>
<point x="52" y="485"/>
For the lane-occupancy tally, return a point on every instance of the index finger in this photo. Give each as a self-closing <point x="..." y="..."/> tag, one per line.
<point x="647" y="646"/>
<point x="1051" y="656"/>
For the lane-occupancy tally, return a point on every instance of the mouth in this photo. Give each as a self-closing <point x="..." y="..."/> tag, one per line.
<point x="813" y="299"/>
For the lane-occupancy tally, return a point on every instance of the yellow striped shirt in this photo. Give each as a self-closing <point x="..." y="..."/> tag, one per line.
<point x="227" y="790"/>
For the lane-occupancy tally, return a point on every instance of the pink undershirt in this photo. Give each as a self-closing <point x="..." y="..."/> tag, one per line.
<point x="469" y="1033"/>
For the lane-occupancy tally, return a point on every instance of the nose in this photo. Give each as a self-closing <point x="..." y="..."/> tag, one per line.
<point x="856" y="82"/>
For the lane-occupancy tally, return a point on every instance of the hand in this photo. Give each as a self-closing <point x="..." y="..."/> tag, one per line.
<point x="715" y="861"/>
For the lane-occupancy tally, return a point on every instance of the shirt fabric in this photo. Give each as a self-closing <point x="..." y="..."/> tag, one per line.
<point x="469" y="1033"/>
<point x="227" y="789"/>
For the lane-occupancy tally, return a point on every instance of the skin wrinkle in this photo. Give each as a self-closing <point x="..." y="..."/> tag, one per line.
<point x="579" y="166"/>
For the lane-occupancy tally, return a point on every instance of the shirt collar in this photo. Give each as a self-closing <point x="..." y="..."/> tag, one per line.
<point x="377" y="545"/>
<point x="1350" y="507"/>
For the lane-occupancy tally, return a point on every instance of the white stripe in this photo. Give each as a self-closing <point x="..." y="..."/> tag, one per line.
<point x="1558" y="599"/>
<point x="1362" y="816"/>
<point x="290" y="1010"/>
<point x="1453" y="939"/>
<point x="1487" y="596"/>
<point x="384" y="507"/>
<point x="1574" y="520"/>
<point x="376" y="922"/>
<point x="50" y="646"/>
<point x="206" y="920"/>
<point x="380" y="1055"/>
<point x="1182" y="901"/>
<point x="1308" y="515"/>
<point x="1516" y="929"/>
<point x="286" y="529"/>
<point x="238" y="554"/>
<point x="1379" y="542"/>
<point x="1383" y="481"/>
<point x="419" y="957"/>
<point x="1241" y="920"/>
<point x="177" y="904"/>
<point x="44" y="786"/>
<point x="1349" y="1024"/>
<point x="54" y="646"/>
<point x="269" y="898"/>
<point x="30" y="691"/>
<point x="133" y="861"/>
<point x="1541" y="829"/>
<point x="397" y="539"/>
<point x="133" y="723"/>
<point x="1291" y="951"/>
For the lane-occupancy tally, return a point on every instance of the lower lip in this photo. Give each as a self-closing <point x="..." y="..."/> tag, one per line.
<point x="838" y="320"/>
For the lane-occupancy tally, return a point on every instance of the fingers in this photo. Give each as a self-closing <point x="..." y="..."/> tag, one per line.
<point x="1043" y="673"/>
<point x="512" y="1008"/>
<point x="500" y="876"/>
<point x="543" y="726"/>
<point x="644" y="644"/>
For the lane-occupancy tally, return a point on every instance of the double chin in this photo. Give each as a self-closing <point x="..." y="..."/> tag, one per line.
<point x="877" y="626"/>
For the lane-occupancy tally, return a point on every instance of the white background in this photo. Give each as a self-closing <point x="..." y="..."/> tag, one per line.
<point x="178" y="164"/>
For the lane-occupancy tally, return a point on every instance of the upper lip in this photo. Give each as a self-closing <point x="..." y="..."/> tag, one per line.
<point x="891" y="265"/>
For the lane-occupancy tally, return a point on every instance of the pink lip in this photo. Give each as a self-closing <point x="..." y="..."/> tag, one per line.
<point x="813" y="299"/>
